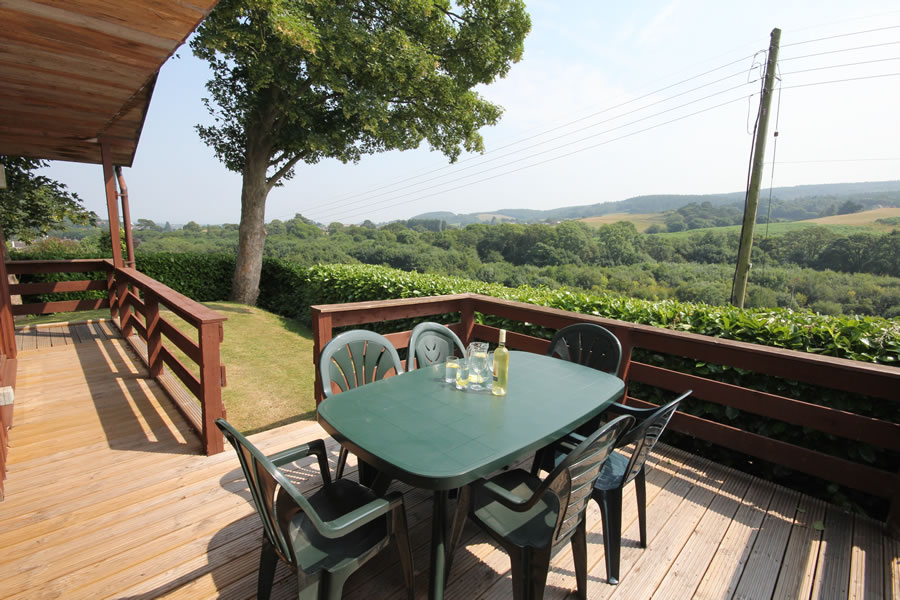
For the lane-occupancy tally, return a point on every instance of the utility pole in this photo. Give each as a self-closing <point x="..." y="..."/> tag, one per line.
<point x="742" y="270"/>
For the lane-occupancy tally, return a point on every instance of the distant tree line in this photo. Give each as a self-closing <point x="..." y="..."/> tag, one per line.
<point x="812" y="267"/>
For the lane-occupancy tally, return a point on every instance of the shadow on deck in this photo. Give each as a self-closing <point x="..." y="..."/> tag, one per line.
<point x="109" y="496"/>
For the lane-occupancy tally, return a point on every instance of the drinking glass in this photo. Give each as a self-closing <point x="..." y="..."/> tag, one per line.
<point x="479" y="367"/>
<point x="450" y="369"/>
<point x="462" y="374"/>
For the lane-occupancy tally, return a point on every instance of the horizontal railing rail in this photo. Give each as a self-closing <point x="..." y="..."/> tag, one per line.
<point x="857" y="377"/>
<point x="134" y="300"/>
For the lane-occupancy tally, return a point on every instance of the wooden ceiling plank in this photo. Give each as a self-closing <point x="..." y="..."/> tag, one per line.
<point x="107" y="72"/>
<point x="108" y="26"/>
<point x="147" y="16"/>
<point x="21" y="90"/>
<point x="42" y="79"/>
<point x="79" y="42"/>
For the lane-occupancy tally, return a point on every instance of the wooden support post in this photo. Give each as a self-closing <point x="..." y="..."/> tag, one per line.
<point x="467" y="321"/>
<point x="321" y="326"/>
<point x="111" y="204"/>
<point x="126" y="216"/>
<point x="627" y="347"/>
<point x="112" y="294"/>
<point x="7" y="325"/>
<point x="154" y="336"/>
<point x="211" y="336"/>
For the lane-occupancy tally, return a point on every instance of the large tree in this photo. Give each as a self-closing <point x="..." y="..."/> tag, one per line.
<point x="304" y="80"/>
<point x="32" y="204"/>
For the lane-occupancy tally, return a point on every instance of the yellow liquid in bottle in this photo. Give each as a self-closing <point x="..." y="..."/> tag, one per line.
<point x="501" y="371"/>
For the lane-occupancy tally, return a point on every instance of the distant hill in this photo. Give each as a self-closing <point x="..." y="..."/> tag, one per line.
<point x="869" y="194"/>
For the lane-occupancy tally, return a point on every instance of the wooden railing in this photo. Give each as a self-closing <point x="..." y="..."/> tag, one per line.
<point x="134" y="301"/>
<point x="851" y="376"/>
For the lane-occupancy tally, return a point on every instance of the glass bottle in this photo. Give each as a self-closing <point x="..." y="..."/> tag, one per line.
<point x="501" y="366"/>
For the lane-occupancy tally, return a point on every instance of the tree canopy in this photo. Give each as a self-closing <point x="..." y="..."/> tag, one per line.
<point x="302" y="80"/>
<point x="33" y="204"/>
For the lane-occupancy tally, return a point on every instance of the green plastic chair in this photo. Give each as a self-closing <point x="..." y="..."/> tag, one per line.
<point x="352" y="359"/>
<point x="620" y="469"/>
<point x="590" y="345"/>
<point x="431" y="343"/>
<point x="323" y="538"/>
<point x="533" y="519"/>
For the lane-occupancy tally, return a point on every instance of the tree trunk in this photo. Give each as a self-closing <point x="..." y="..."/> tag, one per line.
<point x="252" y="232"/>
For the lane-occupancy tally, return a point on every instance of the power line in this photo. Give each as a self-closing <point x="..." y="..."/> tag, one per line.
<point x="840" y="35"/>
<point x="868" y="47"/>
<point x="502" y="156"/>
<point x="566" y="155"/>
<point x="558" y="127"/>
<point x="800" y="85"/>
<point x="855" y="64"/>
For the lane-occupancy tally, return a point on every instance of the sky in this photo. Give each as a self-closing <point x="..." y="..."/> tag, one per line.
<point x="610" y="101"/>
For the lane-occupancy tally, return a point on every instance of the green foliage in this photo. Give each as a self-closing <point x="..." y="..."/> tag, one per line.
<point x="33" y="204"/>
<point x="202" y="277"/>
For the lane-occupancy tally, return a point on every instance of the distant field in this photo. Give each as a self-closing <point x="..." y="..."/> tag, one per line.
<point x="641" y="220"/>
<point x="866" y="218"/>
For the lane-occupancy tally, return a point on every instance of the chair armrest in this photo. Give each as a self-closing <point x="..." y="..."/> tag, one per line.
<point x="635" y="412"/>
<point x="505" y="497"/>
<point x="316" y="447"/>
<point x="361" y="516"/>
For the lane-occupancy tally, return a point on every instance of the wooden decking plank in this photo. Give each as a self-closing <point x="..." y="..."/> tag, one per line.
<point x="866" y="560"/>
<point x="761" y="571"/>
<point x="686" y="572"/>
<point x="833" y="571"/>
<point x="725" y="570"/>
<point x="799" y="567"/>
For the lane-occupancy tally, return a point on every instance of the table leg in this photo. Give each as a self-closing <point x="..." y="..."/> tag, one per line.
<point x="438" y="546"/>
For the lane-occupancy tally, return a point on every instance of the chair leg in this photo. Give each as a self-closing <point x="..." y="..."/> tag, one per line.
<point x="401" y="534"/>
<point x="640" y="489"/>
<point x="308" y="586"/>
<point x="579" y="557"/>
<point x="268" y="560"/>
<point x="530" y="567"/>
<point x="334" y="584"/>
<point x="341" y="463"/>
<point x="610" y="502"/>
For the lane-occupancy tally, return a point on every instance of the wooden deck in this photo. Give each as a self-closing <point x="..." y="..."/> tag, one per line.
<point x="108" y="496"/>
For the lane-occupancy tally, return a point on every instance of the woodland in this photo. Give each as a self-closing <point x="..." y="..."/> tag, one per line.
<point x="815" y="267"/>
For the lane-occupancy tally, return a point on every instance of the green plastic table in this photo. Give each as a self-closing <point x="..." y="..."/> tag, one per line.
<point x="420" y="430"/>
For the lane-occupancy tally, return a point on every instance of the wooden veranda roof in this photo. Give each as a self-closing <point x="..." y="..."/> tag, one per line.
<point x="75" y="71"/>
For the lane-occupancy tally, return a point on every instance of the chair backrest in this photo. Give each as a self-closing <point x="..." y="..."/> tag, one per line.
<point x="431" y="343"/>
<point x="646" y="433"/>
<point x="267" y="487"/>
<point x="355" y="358"/>
<point x="587" y="344"/>
<point x="572" y="480"/>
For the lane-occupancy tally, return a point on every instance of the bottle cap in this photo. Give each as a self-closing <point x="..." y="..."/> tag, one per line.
<point x="502" y="336"/>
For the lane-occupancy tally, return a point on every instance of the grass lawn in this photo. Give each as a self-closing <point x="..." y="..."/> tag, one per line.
<point x="641" y="220"/>
<point x="268" y="361"/>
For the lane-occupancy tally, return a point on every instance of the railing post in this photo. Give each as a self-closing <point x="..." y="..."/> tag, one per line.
<point x="467" y="320"/>
<point x="124" y="307"/>
<point x="321" y="326"/>
<point x="211" y="374"/>
<point x="893" y="517"/>
<point x="112" y="293"/>
<point x="154" y="336"/>
<point x="625" y="339"/>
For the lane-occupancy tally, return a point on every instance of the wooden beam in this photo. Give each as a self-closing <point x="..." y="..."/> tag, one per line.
<point x="112" y="208"/>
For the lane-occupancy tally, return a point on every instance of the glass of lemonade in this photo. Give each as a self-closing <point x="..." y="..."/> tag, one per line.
<point x="462" y="374"/>
<point x="450" y="369"/>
